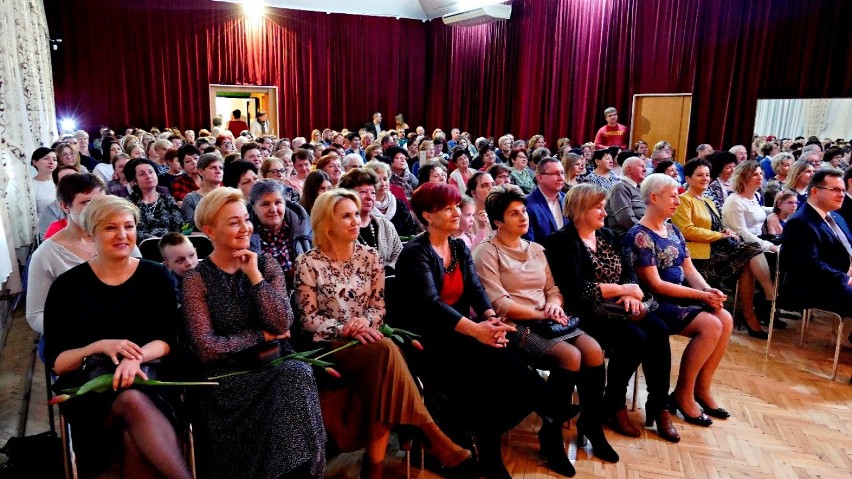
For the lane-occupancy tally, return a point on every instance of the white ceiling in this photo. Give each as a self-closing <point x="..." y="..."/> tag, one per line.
<point x="416" y="9"/>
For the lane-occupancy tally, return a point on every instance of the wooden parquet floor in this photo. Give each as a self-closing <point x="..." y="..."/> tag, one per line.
<point x="788" y="421"/>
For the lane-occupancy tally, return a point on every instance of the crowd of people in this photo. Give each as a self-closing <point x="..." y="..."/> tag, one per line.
<point x="506" y="256"/>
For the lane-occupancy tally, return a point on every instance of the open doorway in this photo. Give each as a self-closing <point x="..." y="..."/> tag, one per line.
<point x="224" y="99"/>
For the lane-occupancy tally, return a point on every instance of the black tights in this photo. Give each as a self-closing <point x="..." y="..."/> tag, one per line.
<point x="629" y="344"/>
<point x="150" y="443"/>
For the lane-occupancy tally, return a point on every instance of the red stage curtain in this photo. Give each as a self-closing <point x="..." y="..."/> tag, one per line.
<point x="150" y="63"/>
<point x="557" y="64"/>
<point x="551" y="69"/>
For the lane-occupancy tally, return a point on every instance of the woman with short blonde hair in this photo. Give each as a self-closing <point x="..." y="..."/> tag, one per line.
<point x="238" y="314"/>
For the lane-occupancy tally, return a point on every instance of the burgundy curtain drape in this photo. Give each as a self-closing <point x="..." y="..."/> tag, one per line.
<point x="150" y="63"/>
<point x="557" y="64"/>
<point x="551" y="69"/>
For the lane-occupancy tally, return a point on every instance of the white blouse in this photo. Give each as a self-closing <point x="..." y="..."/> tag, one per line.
<point x="745" y="217"/>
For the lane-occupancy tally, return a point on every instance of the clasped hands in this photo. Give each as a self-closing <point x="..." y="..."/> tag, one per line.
<point x="359" y="328"/>
<point x="713" y="297"/>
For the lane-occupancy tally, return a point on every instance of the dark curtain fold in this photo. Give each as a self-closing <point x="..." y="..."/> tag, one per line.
<point x="551" y="69"/>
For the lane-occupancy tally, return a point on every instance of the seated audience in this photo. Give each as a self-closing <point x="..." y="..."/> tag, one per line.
<point x="785" y="205"/>
<point x="374" y="230"/>
<point x="544" y="204"/>
<point x="400" y="176"/>
<point x="118" y="184"/>
<point x="465" y="359"/>
<point x="467" y="211"/>
<point x="781" y="164"/>
<point x="500" y="173"/>
<point x="625" y="206"/>
<point x="845" y="211"/>
<point x="301" y="169"/>
<point x="462" y="172"/>
<point x="340" y="297"/>
<point x="331" y="165"/>
<point x="66" y="248"/>
<point x="67" y="156"/>
<point x="602" y="174"/>
<point x="52" y="219"/>
<point x="211" y="170"/>
<point x="575" y="167"/>
<point x="717" y="252"/>
<point x="236" y="300"/>
<point x="122" y="309"/>
<point x="170" y="159"/>
<point x="158" y="212"/>
<point x="586" y="262"/>
<point x="316" y="184"/>
<point x="190" y="180"/>
<point x="432" y="173"/>
<point x="282" y="228"/>
<point x="688" y="305"/>
<point x="799" y="178"/>
<point x="179" y="257"/>
<point x="240" y="174"/>
<point x="723" y="164"/>
<point x="816" y="249"/>
<point x="520" y="174"/>
<point x="478" y="187"/>
<point x="43" y="187"/>
<point x="389" y="206"/>
<point x="519" y="284"/>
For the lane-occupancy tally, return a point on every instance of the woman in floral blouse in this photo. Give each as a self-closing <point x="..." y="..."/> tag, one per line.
<point x="340" y="298"/>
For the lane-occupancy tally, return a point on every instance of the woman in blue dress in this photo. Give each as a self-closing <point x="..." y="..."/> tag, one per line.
<point x="688" y="305"/>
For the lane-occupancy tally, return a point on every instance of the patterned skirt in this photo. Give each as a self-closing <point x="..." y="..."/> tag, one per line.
<point x="534" y="345"/>
<point x="727" y="260"/>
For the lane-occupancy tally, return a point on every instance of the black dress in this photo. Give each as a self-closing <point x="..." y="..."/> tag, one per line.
<point x="80" y="309"/>
<point x="264" y="423"/>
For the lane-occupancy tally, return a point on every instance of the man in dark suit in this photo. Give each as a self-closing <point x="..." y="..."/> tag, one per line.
<point x="544" y="204"/>
<point x="845" y="211"/>
<point x="375" y="127"/>
<point x="816" y="251"/>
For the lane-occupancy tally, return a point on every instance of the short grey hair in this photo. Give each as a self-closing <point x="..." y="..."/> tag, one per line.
<point x="610" y="110"/>
<point x="348" y="159"/>
<point x="703" y="147"/>
<point x="781" y="157"/>
<point x="262" y="187"/>
<point x="378" y="166"/>
<point x="737" y="147"/>
<point x="654" y="183"/>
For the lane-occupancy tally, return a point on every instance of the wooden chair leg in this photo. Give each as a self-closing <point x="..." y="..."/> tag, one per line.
<point x="837" y="346"/>
<point x="635" y="389"/>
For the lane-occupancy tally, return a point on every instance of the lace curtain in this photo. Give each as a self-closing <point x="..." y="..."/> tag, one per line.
<point x="27" y="121"/>
<point x="821" y="117"/>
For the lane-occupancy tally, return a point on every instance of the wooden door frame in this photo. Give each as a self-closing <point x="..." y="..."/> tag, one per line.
<point x="633" y="111"/>
<point x="271" y="91"/>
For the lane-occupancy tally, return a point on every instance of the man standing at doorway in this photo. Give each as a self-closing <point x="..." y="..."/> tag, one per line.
<point x="237" y="125"/>
<point x="613" y="133"/>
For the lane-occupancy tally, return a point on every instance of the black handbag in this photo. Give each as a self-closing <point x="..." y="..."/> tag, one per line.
<point x="612" y="310"/>
<point x="549" y="329"/>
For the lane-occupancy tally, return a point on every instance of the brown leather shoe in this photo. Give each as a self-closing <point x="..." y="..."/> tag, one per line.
<point x="621" y="423"/>
<point x="665" y="428"/>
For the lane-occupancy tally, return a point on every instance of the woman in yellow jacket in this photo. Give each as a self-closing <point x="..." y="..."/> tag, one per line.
<point x="717" y="252"/>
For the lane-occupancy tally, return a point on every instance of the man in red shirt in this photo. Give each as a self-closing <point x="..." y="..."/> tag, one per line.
<point x="613" y="133"/>
<point x="237" y="125"/>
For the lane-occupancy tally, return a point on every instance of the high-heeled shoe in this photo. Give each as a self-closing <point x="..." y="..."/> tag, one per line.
<point x="442" y="447"/>
<point x="718" y="413"/>
<point x="665" y="427"/>
<point x="553" y="448"/>
<point x="622" y="424"/>
<point x="755" y="333"/>
<point x="700" y="420"/>
<point x="593" y="431"/>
